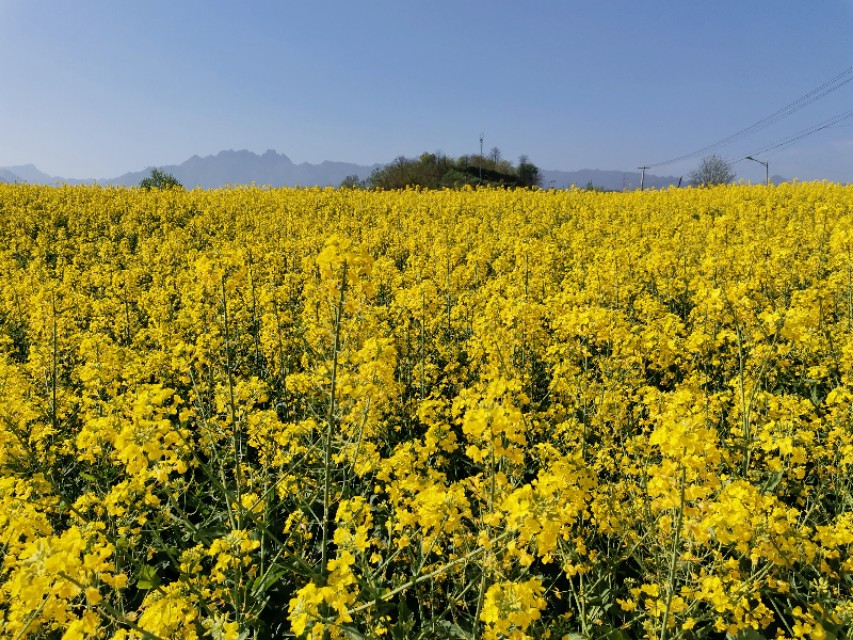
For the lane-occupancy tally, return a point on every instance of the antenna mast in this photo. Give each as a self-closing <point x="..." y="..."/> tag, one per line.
<point x="481" y="158"/>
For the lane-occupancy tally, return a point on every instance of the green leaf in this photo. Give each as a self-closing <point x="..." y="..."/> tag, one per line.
<point x="148" y="578"/>
<point x="454" y="630"/>
<point x="745" y="634"/>
<point x="262" y="583"/>
<point x="353" y="633"/>
<point x="606" y="632"/>
<point x="205" y="535"/>
<point x="401" y="630"/>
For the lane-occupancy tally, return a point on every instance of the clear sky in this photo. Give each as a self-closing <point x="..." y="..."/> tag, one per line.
<point x="96" y="88"/>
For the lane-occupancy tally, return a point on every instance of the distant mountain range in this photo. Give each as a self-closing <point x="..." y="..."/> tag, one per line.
<point x="225" y="168"/>
<point x="277" y="170"/>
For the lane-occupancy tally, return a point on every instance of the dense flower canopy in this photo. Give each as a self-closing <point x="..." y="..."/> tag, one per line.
<point x="447" y="414"/>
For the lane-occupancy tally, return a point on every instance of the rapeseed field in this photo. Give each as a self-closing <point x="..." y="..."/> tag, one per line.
<point x="323" y="413"/>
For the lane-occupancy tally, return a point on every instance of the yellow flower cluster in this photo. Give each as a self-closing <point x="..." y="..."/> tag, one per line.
<point x="325" y="413"/>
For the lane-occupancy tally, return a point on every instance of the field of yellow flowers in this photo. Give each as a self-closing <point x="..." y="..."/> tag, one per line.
<point x="323" y="413"/>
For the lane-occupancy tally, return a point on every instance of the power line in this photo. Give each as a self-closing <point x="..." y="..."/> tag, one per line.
<point x="778" y="146"/>
<point x="803" y="101"/>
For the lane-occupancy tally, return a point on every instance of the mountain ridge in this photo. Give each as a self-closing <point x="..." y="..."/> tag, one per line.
<point x="232" y="167"/>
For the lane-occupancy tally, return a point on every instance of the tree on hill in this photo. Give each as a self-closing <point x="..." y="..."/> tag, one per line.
<point x="160" y="180"/>
<point x="713" y="170"/>
<point x="528" y="173"/>
<point x="437" y="171"/>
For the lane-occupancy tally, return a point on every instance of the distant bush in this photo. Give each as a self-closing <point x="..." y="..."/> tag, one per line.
<point x="352" y="182"/>
<point x="160" y="180"/>
<point x="437" y="171"/>
<point x="712" y="171"/>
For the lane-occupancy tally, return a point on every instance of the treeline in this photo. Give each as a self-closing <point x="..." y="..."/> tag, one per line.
<point x="437" y="171"/>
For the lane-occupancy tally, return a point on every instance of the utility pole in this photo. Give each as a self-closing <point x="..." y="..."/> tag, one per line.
<point x="481" y="158"/>
<point x="766" y="167"/>
<point x="643" y="176"/>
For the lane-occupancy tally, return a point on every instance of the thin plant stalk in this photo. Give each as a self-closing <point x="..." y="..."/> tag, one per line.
<point x="330" y="424"/>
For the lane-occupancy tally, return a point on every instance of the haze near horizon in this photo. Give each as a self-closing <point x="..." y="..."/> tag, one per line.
<point x="96" y="89"/>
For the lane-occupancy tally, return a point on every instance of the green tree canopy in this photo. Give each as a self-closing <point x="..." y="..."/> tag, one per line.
<point x="528" y="173"/>
<point x="437" y="171"/>
<point x="160" y="180"/>
<point x="351" y="182"/>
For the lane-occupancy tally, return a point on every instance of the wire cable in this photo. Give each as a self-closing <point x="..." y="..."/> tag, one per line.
<point x="803" y="101"/>
<point x="778" y="146"/>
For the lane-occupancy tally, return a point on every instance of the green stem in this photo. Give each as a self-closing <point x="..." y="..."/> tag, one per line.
<point x="427" y="576"/>
<point x="232" y="404"/>
<point x="112" y="612"/>
<point x="330" y="425"/>
<point x="54" y="366"/>
<point x="238" y="451"/>
<point x="673" y="555"/>
<point x="482" y="591"/>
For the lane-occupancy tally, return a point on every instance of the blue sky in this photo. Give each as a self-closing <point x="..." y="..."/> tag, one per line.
<point x="92" y="89"/>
